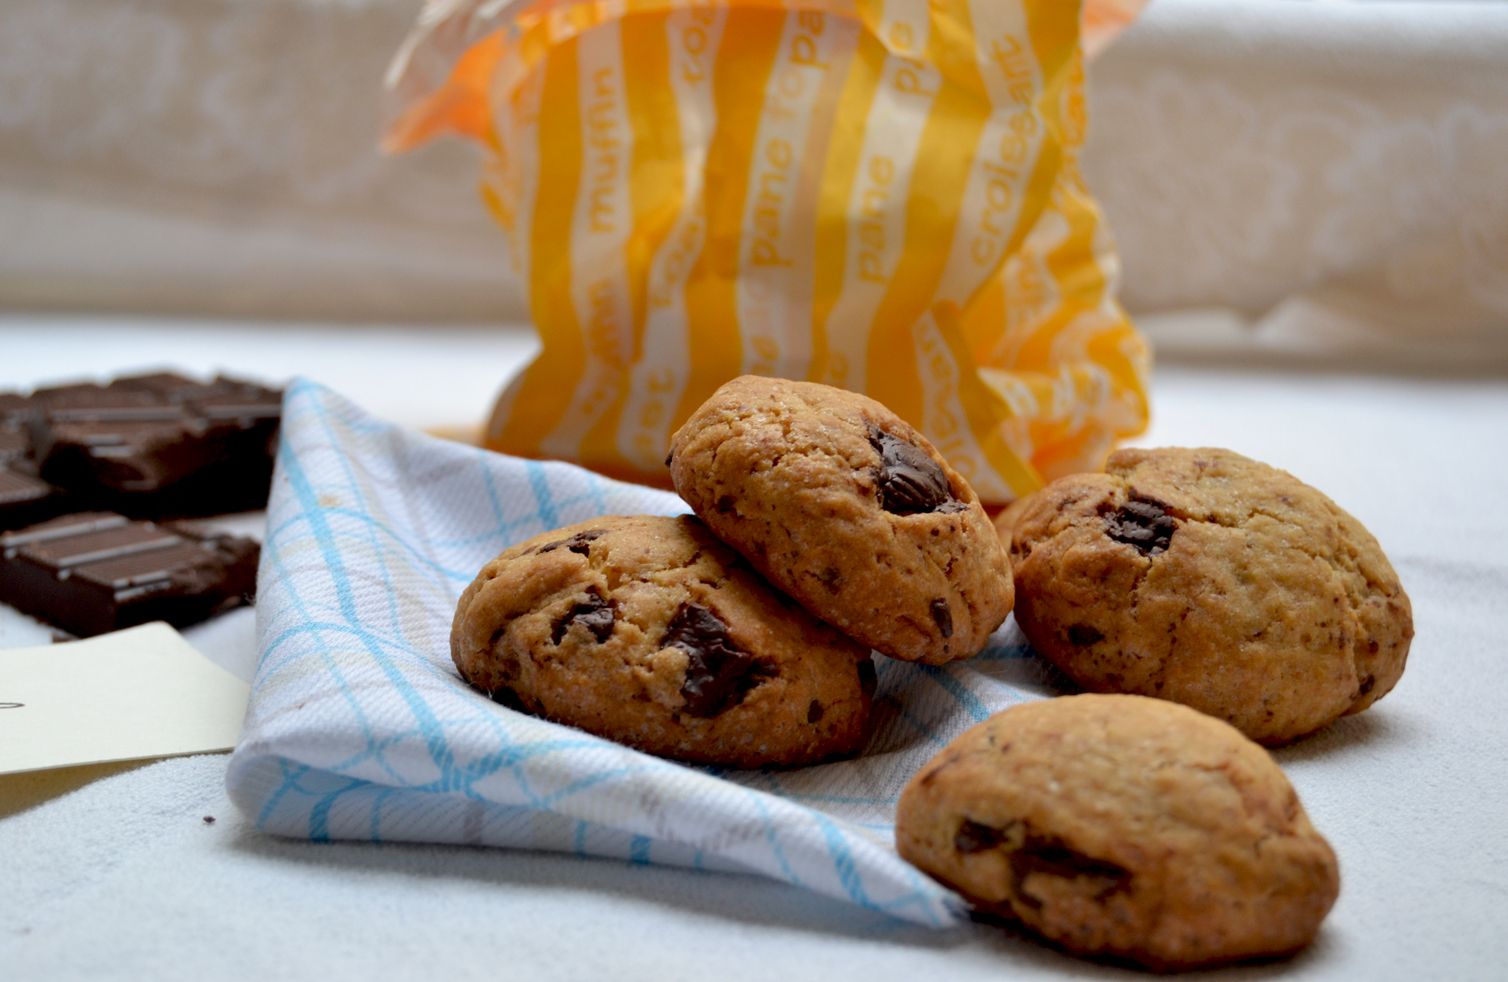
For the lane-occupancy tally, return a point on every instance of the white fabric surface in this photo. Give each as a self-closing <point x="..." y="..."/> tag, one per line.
<point x="123" y="879"/>
<point x="360" y="727"/>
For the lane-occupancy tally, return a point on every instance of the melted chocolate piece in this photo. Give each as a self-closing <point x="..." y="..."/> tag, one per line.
<point x="1051" y="856"/>
<point x="975" y="836"/>
<point x="1082" y="635"/>
<point x="580" y="543"/>
<point x="1143" y="524"/>
<point x="596" y="613"/>
<point x="942" y="616"/>
<point x="718" y="673"/>
<point x="815" y="712"/>
<point x="910" y="481"/>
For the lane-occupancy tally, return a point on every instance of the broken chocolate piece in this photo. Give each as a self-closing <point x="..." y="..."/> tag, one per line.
<point x="597" y="614"/>
<point x="1143" y="524"/>
<point x="95" y="572"/>
<point x="910" y="481"/>
<point x="159" y="444"/>
<point x="718" y="673"/>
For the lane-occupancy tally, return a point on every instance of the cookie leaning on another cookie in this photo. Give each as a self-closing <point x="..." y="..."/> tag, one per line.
<point x="649" y="631"/>
<point x="844" y="506"/>
<point x="1122" y="826"/>
<point x="1207" y="578"/>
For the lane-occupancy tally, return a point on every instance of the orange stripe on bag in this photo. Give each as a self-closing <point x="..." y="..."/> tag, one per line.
<point x="741" y="74"/>
<point x="545" y="387"/>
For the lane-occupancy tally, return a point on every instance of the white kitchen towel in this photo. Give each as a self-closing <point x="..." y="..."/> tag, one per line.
<point x="360" y="727"/>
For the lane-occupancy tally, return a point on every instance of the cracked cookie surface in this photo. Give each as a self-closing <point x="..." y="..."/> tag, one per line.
<point x="842" y="505"/>
<point x="1207" y="578"/>
<point x="1122" y="826"/>
<point x="651" y="632"/>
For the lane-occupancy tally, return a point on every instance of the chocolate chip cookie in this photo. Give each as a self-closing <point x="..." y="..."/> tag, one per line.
<point x="848" y="509"/>
<point x="1122" y="826"/>
<point x="1207" y="578"/>
<point x="649" y="631"/>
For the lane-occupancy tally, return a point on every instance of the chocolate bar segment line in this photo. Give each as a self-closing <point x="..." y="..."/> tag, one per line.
<point x="76" y="525"/>
<point x="26" y="499"/>
<point x="94" y="572"/>
<point x="95" y="547"/>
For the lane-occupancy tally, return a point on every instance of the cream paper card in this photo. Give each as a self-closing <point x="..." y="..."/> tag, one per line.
<point x="141" y="692"/>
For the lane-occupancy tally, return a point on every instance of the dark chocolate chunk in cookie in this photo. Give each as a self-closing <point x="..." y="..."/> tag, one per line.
<point x="580" y="543"/>
<point x="1143" y="524"/>
<point x="910" y="482"/>
<point x="942" y="617"/>
<point x="595" y="613"/>
<point x="1083" y="635"/>
<point x="718" y="673"/>
<point x="1048" y="855"/>
<point x="974" y="837"/>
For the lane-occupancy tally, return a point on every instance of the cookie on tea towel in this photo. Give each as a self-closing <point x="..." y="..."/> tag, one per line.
<point x="649" y="631"/>
<point x="847" y="508"/>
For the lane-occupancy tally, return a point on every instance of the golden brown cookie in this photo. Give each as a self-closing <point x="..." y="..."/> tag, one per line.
<point x="649" y="631"/>
<point x="1201" y="576"/>
<point x="1122" y="826"/>
<point x="848" y="509"/>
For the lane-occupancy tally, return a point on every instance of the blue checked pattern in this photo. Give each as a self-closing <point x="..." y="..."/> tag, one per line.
<point x="360" y="728"/>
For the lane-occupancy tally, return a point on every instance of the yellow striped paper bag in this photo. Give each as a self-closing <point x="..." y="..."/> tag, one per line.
<point x="882" y="195"/>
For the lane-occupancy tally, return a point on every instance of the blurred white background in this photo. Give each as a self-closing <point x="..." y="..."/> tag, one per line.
<point x="1314" y="179"/>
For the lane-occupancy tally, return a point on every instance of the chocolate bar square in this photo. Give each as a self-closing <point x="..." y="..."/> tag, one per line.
<point x="26" y="499"/>
<point x="158" y="445"/>
<point x="94" y="572"/>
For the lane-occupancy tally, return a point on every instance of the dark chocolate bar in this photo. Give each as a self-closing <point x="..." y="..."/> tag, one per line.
<point x="26" y="499"/>
<point x="14" y="446"/>
<point x="15" y="442"/>
<point x="94" y="572"/>
<point x="153" y="446"/>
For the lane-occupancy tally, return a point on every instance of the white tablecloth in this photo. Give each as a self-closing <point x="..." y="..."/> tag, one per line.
<point x="123" y="876"/>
